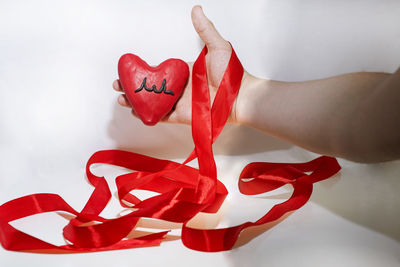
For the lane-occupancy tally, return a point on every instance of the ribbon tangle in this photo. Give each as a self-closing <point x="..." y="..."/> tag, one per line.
<point x="183" y="191"/>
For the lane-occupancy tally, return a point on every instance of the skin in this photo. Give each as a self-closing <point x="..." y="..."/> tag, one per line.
<point x="354" y="116"/>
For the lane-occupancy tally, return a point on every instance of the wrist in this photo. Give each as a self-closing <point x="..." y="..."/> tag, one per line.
<point x="252" y="94"/>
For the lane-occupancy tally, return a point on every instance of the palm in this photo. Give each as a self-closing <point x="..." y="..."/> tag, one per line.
<point x="216" y="62"/>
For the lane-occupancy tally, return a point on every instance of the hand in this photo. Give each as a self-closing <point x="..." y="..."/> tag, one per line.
<point x="217" y="58"/>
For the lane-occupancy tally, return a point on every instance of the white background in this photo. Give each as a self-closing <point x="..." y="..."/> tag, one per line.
<point x="59" y="58"/>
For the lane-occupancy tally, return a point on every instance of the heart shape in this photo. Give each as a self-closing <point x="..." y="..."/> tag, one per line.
<point x="152" y="91"/>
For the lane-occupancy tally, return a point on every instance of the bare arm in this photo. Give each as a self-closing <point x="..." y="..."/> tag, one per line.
<point x="355" y="116"/>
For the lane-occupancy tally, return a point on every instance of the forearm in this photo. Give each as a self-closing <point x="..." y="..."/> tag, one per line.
<point x="328" y="116"/>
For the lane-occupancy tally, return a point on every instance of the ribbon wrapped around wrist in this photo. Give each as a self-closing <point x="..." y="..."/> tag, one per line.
<point x="183" y="191"/>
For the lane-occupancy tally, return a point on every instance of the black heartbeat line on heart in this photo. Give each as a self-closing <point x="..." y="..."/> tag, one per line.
<point x="153" y="88"/>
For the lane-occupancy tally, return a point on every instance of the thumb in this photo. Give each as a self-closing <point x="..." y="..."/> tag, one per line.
<point x="206" y="30"/>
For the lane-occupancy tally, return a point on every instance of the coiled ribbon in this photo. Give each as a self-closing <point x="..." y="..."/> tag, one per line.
<point x="183" y="191"/>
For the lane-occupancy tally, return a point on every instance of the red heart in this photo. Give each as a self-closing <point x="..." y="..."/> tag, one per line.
<point x="152" y="91"/>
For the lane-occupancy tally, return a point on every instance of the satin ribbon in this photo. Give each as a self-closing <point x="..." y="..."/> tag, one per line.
<point x="183" y="191"/>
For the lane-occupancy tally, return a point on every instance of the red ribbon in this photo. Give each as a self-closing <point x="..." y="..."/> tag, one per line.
<point x="183" y="191"/>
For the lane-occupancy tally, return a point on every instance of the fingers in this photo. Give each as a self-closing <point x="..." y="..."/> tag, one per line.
<point x="206" y="30"/>
<point x="122" y="100"/>
<point x="117" y="86"/>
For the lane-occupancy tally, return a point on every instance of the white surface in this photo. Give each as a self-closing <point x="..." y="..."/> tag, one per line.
<point x="58" y="60"/>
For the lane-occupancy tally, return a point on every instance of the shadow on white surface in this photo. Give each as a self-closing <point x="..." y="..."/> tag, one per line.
<point x="366" y="194"/>
<point x="175" y="141"/>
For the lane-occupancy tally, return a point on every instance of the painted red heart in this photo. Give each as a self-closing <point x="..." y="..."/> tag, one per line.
<point x="152" y="91"/>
